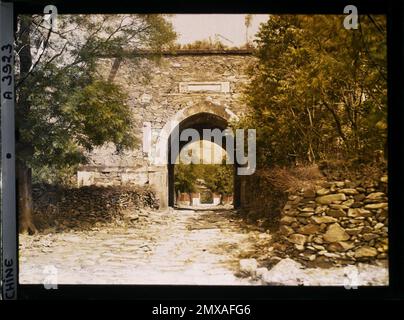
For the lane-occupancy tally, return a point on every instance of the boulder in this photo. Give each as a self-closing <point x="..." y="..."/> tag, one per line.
<point x="381" y="205"/>
<point x="318" y="247"/>
<point x="338" y="206"/>
<point x="359" y="197"/>
<point x="298" y="239"/>
<point x="309" y="193"/>
<point x="375" y="195"/>
<point x="324" y="219"/>
<point x="309" y="229"/>
<point x="312" y="257"/>
<point x="299" y="247"/>
<point x="306" y="214"/>
<point x="365" y="252"/>
<point x="287" y="220"/>
<point x="248" y="266"/>
<point x="340" y="246"/>
<point x="323" y="191"/>
<point x="336" y="213"/>
<point x="320" y="209"/>
<point x="369" y="236"/>
<point x="287" y="206"/>
<point x="354" y="231"/>
<point x="285" y="272"/>
<point x="358" y="212"/>
<point x="327" y="199"/>
<point x="280" y="246"/>
<point x="259" y="273"/>
<point x="378" y="226"/>
<point x="367" y="229"/>
<point x="290" y="212"/>
<point x="348" y="203"/>
<point x="331" y="255"/>
<point x="349" y="191"/>
<point x="318" y="240"/>
<point x="286" y="230"/>
<point x="335" y="233"/>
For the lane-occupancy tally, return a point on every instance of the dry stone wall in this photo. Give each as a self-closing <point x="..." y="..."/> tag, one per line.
<point x="340" y="222"/>
<point x="57" y="208"/>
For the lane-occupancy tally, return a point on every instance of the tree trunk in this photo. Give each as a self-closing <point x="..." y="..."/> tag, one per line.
<point x="25" y="207"/>
<point x="24" y="148"/>
<point x="190" y="198"/>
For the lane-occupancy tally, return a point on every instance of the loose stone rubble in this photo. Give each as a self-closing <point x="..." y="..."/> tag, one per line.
<point x="291" y="273"/>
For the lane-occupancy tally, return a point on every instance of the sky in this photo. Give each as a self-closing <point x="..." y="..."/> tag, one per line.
<point x="192" y="27"/>
<point x="202" y="151"/>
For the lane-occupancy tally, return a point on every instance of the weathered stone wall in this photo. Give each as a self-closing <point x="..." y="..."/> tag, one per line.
<point x="340" y="222"/>
<point x="57" y="208"/>
<point x="155" y="95"/>
<point x="158" y="90"/>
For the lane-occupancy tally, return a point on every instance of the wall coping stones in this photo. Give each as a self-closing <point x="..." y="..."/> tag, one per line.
<point x="183" y="52"/>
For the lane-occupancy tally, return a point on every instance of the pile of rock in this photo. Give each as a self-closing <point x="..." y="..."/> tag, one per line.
<point x="292" y="273"/>
<point x="340" y="222"/>
<point x="85" y="207"/>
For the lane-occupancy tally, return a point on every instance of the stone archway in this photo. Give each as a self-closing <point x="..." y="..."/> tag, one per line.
<point x="204" y="115"/>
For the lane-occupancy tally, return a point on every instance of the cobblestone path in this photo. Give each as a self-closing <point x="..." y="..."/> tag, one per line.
<point x="175" y="247"/>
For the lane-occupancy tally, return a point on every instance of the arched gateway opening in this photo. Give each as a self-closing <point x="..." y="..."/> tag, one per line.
<point x="198" y="122"/>
<point x="200" y="117"/>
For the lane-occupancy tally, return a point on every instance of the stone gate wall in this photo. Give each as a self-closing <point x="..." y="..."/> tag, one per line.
<point x="158" y="89"/>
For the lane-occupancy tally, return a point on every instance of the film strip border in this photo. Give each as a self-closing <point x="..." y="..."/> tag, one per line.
<point x="9" y="262"/>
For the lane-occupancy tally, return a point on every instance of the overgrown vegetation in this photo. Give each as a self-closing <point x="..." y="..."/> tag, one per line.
<point x="319" y="91"/>
<point x="318" y="100"/>
<point x="218" y="178"/>
<point x="64" y="107"/>
<point x="209" y="44"/>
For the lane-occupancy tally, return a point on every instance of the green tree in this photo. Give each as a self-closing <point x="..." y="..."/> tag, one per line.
<point x="318" y="90"/>
<point x="247" y="22"/>
<point x="64" y="107"/>
<point x="218" y="178"/>
<point x="185" y="178"/>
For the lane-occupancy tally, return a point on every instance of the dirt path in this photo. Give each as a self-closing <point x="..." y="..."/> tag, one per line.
<point x="177" y="247"/>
